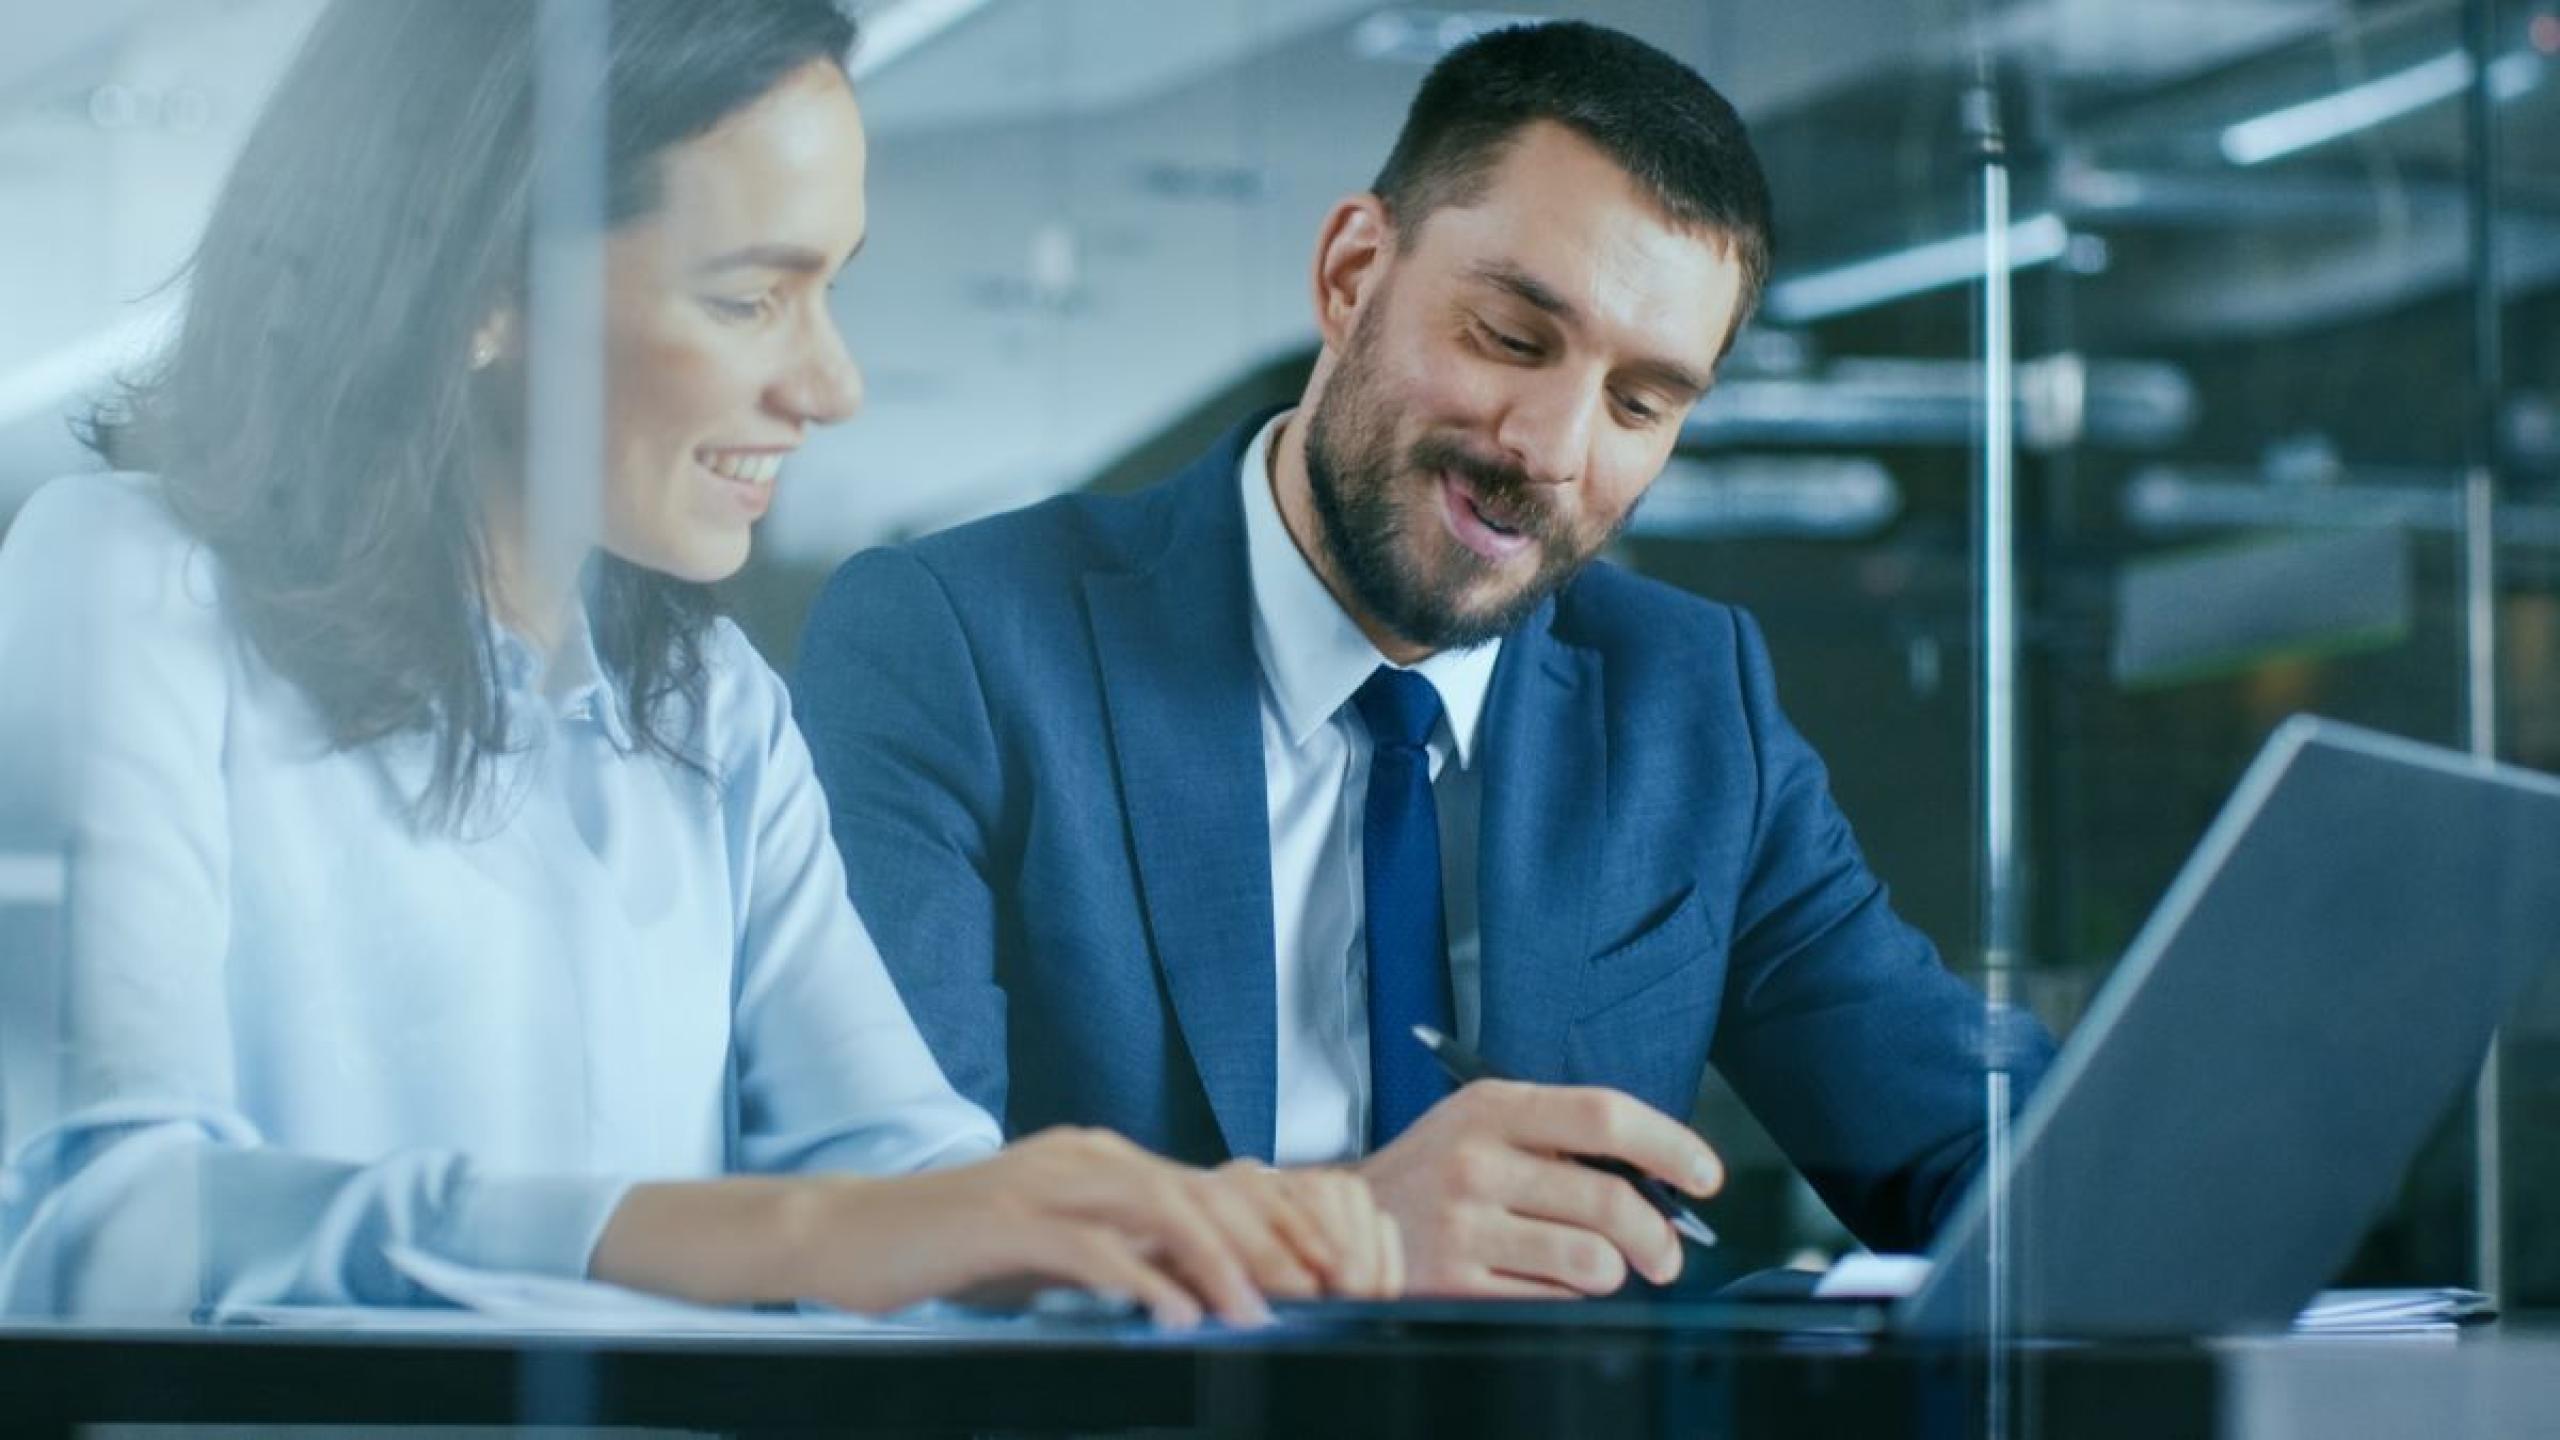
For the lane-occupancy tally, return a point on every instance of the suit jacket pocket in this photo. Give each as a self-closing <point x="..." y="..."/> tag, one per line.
<point x="1634" y="967"/>
<point x="1648" y="1011"/>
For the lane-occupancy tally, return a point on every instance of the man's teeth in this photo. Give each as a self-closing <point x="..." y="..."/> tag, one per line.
<point x="748" y="469"/>
<point x="1496" y="526"/>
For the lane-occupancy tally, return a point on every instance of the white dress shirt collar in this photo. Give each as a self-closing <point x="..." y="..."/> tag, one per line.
<point x="572" y="681"/>
<point x="1313" y="657"/>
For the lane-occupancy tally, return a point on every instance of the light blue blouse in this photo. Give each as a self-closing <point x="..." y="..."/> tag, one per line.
<point x="281" y="1028"/>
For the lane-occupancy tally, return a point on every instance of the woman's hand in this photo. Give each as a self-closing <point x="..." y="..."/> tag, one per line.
<point x="1082" y="1208"/>
<point x="1343" y="1243"/>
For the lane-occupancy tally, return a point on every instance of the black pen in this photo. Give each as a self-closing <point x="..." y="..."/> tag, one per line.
<point x="1466" y="1067"/>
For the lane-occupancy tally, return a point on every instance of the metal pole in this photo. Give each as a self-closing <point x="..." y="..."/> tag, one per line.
<point x="2479" y="574"/>
<point x="2000" y="889"/>
<point x="565" y="397"/>
<point x="564" y="294"/>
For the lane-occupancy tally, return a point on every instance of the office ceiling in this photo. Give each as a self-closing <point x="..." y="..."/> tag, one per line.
<point x="1090" y="216"/>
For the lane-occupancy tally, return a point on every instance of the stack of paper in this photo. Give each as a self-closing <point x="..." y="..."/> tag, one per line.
<point x="2391" y="1312"/>
<point x="2436" y="1311"/>
<point x="1865" y="1275"/>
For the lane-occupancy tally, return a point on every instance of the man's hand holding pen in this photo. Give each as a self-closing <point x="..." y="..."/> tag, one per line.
<point x="1494" y="1197"/>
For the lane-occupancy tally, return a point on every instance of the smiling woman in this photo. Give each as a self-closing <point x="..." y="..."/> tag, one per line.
<point x="436" y="898"/>
<point x="357" y="308"/>
<point x="720" y="348"/>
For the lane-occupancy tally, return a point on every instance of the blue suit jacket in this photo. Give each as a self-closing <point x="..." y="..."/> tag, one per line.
<point x="1039" y="735"/>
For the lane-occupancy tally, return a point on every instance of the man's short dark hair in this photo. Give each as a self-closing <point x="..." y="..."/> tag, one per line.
<point x="1657" y="119"/>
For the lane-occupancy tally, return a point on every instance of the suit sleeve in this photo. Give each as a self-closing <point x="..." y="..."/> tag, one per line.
<point x="888" y="694"/>
<point x="1841" y="1029"/>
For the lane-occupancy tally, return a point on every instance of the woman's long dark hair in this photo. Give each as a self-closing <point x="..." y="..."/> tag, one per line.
<point x="317" y="422"/>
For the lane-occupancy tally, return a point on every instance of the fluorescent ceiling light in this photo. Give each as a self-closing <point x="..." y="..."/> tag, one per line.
<point x="1417" y="36"/>
<point x="48" y="380"/>
<point x="2036" y="240"/>
<point x="891" y="31"/>
<point x="2295" y="128"/>
<point x="888" y="33"/>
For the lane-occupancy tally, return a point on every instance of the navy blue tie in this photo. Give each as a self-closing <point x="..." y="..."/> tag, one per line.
<point x="1400" y="888"/>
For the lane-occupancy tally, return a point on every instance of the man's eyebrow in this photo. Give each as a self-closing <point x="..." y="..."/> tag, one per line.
<point x="1668" y="374"/>
<point x="1529" y="288"/>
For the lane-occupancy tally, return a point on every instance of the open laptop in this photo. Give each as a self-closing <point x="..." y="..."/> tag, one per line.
<point x="2316" y="989"/>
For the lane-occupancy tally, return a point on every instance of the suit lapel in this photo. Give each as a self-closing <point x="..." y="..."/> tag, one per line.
<point x="1174" y="641"/>
<point x="1545" y="815"/>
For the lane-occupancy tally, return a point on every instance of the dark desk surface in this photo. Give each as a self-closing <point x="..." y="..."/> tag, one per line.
<point x="1407" y="1380"/>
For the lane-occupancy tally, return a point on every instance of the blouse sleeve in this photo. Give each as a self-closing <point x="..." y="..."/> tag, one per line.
<point x="832" y="1072"/>
<point x="133" y="1181"/>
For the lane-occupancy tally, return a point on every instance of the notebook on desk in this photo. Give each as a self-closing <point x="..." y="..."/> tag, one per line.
<point x="2316" y="989"/>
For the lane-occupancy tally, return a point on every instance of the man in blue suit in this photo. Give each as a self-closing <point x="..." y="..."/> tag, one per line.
<point x="1175" y="813"/>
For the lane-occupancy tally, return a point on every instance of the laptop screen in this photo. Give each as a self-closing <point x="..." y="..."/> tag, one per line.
<point x="2318" y="986"/>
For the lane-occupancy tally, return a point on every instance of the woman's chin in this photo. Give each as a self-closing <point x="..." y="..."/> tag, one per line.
<point x="696" y="560"/>
<point x="711" y="568"/>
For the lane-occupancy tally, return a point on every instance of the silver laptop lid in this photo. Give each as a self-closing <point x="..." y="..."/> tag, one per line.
<point x="2317" y="987"/>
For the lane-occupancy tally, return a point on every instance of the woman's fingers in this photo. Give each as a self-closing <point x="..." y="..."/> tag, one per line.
<point x="1332" y="1224"/>
<point x="1376" y="1270"/>
<point x="1100" y="1259"/>
<point x="1296" y="1247"/>
<point x="1162" y="1209"/>
<point x="1390" y="1256"/>
<point x="1216" y="1268"/>
<point x="1350" y="1219"/>
<point x="1099" y="1177"/>
<point x="1227" y="1237"/>
<point x="1377" y="1230"/>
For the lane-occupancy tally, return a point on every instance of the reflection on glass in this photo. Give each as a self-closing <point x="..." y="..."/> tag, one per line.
<point x="331" y="743"/>
<point x="437" y="873"/>
<point x="409" y="878"/>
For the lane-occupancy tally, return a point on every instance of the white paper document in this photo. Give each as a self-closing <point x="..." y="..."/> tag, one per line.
<point x="2420" y="1311"/>
<point x="1864" y="1275"/>
<point x="2390" y="1312"/>
<point x="507" y="1301"/>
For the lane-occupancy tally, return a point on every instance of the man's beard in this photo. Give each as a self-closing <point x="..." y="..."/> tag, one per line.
<point x="1353" y="475"/>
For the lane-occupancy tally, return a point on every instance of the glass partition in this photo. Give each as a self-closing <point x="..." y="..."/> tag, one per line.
<point x="2205" y="354"/>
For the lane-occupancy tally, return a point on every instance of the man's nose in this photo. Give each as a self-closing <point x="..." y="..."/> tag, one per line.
<point x="1546" y="429"/>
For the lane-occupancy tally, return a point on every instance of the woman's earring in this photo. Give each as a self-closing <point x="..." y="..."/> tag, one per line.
<point x="490" y="341"/>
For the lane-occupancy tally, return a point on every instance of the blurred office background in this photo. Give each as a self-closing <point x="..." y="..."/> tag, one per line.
<point x="2249" y="307"/>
